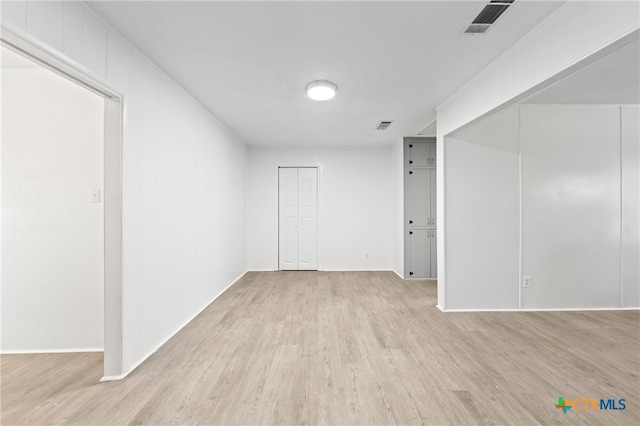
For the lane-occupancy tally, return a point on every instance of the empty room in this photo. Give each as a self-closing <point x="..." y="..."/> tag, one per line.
<point x="320" y="212"/>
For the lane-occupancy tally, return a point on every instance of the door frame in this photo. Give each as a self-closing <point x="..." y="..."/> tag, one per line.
<point x="276" y="238"/>
<point x="29" y="46"/>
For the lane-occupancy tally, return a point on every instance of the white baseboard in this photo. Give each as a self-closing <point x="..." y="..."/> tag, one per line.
<point x="414" y="279"/>
<point x="112" y="378"/>
<point x="144" y="358"/>
<point x="51" y="351"/>
<point x="421" y="279"/>
<point x="537" y="310"/>
<point x="326" y="270"/>
<point x="357" y="270"/>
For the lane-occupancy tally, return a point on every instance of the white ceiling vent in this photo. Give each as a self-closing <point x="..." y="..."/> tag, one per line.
<point x="384" y="124"/>
<point x="488" y="16"/>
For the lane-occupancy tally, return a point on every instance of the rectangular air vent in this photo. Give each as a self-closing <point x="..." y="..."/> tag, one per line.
<point x="477" y="28"/>
<point x="384" y="124"/>
<point x="488" y="16"/>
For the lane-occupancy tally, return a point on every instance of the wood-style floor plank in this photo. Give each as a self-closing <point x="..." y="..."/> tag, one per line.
<point x="344" y="348"/>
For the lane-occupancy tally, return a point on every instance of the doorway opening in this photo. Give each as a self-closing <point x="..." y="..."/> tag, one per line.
<point x="61" y="208"/>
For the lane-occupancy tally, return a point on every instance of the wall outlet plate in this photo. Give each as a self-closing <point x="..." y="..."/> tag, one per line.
<point x="526" y="281"/>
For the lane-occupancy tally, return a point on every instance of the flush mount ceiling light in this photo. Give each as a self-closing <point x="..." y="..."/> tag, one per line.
<point x="321" y="90"/>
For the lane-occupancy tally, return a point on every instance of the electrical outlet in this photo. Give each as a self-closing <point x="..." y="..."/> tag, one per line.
<point x="526" y="281"/>
<point x="366" y="254"/>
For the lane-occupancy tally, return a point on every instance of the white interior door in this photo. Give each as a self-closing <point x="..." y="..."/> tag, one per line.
<point x="308" y="218"/>
<point x="298" y="218"/>
<point x="288" y="222"/>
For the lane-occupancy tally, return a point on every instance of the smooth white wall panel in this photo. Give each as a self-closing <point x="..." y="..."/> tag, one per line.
<point x="72" y="31"/>
<point x="186" y="195"/>
<point x="531" y="61"/>
<point x="398" y="207"/>
<point x="14" y="12"/>
<point x="603" y="21"/>
<point x="564" y="34"/>
<point x="168" y="185"/>
<point x="483" y="215"/>
<point x="570" y="216"/>
<point x="132" y="222"/>
<point x="355" y="212"/>
<point x="118" y="63"/>
<point x="52" y="235"/>
<point x="144" y="110"/>
<point x="571" y="206"/>
<point x="94" y="44"/>
<point x="45" y="21"/>
<point x="630" y="145"/>
<point x="184" y="182"/>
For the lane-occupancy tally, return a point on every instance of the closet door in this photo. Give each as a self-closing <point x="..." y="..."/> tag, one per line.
<point x="420" y="243"/>
<point x="288" y="219"/>
<point x="433" y="242"/>
<point x="432" y="199"/>
<point x="420" y="154"/>
<point x="431" y="161"/>
<point x="419" y="197"/>
<point x="298" y="218"/>
<point x="308" y="218"/>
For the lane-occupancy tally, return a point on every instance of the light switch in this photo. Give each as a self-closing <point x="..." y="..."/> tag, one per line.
<point x="95" y="195"/>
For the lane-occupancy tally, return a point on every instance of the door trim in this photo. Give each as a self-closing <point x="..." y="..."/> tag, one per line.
<point x="276" y="237"/>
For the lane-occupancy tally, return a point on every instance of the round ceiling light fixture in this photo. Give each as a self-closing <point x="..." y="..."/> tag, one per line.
<point x="321" y="90"/>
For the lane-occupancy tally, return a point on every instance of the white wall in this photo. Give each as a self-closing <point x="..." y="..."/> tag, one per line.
<point x="483" y="214"/>
<point x="630" y="152"/>
<point x="398" y="207"/>
<point x="184" y="189"/>
<point x="52" y="263"/>
<point x="571" y="206"/>
<point x="575" y="32"/>
<point x="570" y="227"/>
<point x="183" y="177"/>
<point x="355" y="206"/>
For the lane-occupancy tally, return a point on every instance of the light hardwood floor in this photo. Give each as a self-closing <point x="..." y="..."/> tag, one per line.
<point x="345" y="348"/>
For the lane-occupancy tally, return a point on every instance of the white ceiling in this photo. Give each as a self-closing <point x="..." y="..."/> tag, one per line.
<point x="248" y="62"/>
<point x="614" y="79"/>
